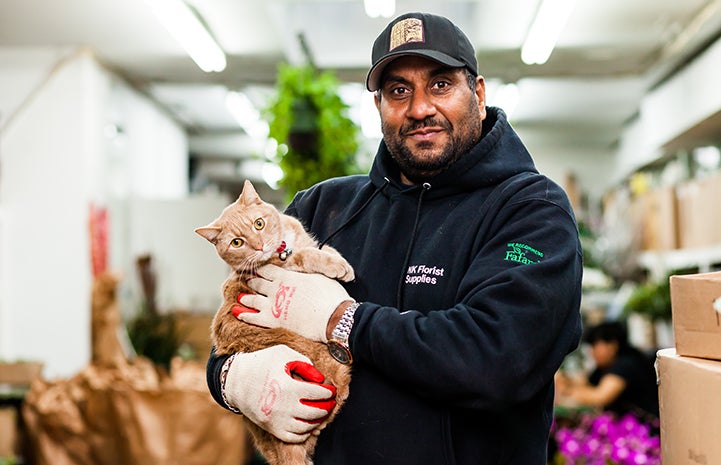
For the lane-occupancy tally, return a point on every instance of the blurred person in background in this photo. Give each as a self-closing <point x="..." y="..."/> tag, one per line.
<point x="622" y="381"/>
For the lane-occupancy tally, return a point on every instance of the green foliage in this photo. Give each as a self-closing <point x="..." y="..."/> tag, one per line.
<point x="309" y="117"/>
<point x="651" y="299"/>
<point x="588" y="243"/>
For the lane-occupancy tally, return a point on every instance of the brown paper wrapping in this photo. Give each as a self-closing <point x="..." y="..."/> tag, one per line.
<point x="133" y="415"/>
<point x="120" y="412"/>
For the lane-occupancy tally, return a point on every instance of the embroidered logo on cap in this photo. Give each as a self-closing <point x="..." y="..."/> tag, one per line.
<point x="406" y="31"/>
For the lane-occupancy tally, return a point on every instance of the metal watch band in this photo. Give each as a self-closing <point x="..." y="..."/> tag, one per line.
<point x="343" y="328"/>
<point x="338" y="343"/>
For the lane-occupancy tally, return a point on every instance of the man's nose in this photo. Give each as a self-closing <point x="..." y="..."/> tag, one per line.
<point x="420" y="106"/>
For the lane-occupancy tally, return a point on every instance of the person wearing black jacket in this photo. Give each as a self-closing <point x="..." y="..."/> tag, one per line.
<point x="623" y="379"/>
<point x="468" y="278"/>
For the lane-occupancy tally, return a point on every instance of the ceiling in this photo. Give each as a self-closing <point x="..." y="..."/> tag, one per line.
<point x="609" y="54"/>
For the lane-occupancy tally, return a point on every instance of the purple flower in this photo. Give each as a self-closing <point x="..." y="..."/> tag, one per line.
<point x="604" y="439"/>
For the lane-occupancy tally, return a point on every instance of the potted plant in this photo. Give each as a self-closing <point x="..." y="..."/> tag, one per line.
<point x="153" y="334"/>
<point x="309" y="119"/>
<point x="652" y="300"/>
<point x="650" y="303"/>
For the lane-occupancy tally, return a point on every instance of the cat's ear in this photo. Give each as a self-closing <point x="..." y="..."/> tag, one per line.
<point x="249" y="195"/>
<point x="209" y="232"/>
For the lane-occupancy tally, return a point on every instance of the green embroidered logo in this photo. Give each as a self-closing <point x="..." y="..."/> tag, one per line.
<point x="522" y="253"/>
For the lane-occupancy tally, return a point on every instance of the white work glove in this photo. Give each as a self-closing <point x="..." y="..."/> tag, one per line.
<point x="299" y="302"/>
<point x="265" y="387"/>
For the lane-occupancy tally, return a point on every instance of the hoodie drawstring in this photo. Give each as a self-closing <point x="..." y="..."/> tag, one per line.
<point x="355" y="215"/>
<point x="399" y="295"/>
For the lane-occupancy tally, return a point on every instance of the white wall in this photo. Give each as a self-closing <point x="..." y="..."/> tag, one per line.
<point x="589" y="169"/>
<point x="23" y="70"/>
<point x="683" y="102"/>
<point x="149" y="156"/>
<point x="588" y="162"/>
<point x="150" y="212"/>
<point x="667" y="113"/>
<point x="44" y="194"/>
<point x="188" y="270"/>
<point x="56" y="159"/>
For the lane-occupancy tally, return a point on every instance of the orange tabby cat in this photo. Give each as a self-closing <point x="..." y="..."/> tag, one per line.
<point x="250" y="233"/>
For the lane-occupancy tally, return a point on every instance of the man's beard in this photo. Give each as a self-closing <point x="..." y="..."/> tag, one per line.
<point x="461" y="140"/>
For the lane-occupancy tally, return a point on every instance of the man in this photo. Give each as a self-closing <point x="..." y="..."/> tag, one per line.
<point x="468" y="270"/>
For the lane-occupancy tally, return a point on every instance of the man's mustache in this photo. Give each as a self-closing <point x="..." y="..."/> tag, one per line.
<point x="425" y="123"/>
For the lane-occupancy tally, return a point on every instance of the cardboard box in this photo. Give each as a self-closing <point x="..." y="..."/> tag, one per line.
<point x="689" y="404"/>
<point x="699" y="220"/>
<point x="659" y="229"/>
<point x="696" y="314"/>
<point x="19" y="373"/>
<point x="8" y="432"/>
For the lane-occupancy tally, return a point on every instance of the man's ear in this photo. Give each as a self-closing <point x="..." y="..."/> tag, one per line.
<point x="481" y="94"/>
<point x="377" y="99"/>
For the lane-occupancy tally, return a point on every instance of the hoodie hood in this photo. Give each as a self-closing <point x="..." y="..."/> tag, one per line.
<point x="499" y="154"/>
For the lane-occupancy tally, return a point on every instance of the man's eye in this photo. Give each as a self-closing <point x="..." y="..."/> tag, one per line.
<point x="237" y="242"/>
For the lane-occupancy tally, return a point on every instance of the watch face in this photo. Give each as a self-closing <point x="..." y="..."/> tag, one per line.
<point x="339" y="352"/>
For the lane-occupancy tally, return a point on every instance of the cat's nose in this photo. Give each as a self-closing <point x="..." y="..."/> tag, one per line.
<point x="259" y="247"/>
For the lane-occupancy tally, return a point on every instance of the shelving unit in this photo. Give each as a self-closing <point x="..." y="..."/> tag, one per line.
<point x="660" y="263"/>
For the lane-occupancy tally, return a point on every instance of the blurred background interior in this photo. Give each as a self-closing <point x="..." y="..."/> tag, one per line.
<point x="120" y="133"/>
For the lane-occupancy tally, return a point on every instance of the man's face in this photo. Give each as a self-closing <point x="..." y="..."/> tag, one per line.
<point x="430" y="116"/>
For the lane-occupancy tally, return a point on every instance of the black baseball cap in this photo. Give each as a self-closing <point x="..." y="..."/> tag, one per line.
<point x="425" y="35"/>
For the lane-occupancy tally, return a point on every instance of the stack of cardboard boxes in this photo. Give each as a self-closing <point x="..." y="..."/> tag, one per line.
<point x="15" y="379"/>
<point x="677" y="217"/>
<point x="689" y="375"/>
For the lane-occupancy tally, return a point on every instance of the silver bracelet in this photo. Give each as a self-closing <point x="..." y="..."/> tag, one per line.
<point x="345" y="325"/>
<point x="223" y="375"/>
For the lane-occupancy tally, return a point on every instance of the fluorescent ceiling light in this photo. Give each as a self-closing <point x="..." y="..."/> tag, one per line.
<point x="272" y="174"/>
<point x="707" y="157"/>
<point x="186" y="28"/>
<point x="376" y="8"/>
<point x="550" y="20"/>
<point x="246" y="115"/>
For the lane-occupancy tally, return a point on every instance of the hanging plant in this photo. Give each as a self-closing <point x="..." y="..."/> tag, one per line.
<point x="309" y="118"/>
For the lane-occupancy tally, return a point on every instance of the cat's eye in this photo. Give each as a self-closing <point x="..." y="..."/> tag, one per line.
<point x="237" y="242"/>
<point x="259" y="224"/>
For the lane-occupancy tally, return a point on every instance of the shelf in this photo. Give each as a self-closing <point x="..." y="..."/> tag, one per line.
<point x="660" y="263"/>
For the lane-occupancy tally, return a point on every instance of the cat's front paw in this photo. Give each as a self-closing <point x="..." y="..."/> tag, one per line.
<point x="341" y="271"/>
<point x="349" y="274"/>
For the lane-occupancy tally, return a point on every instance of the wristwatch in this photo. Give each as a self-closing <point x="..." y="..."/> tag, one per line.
<point x="338" y="342"/>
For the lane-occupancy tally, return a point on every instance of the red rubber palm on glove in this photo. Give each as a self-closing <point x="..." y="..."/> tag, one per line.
<point x="299" y="302"/>
<point x="279" y="390"/>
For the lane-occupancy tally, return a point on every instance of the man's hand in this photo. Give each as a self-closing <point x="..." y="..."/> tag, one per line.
<point x="279" y="390"/>
<point x="300" y="302"/>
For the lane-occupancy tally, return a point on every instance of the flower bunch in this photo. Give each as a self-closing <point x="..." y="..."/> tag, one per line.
<point x="606" y="439"/>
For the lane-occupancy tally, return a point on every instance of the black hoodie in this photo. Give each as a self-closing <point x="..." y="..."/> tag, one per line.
<point x="471" y="286"/>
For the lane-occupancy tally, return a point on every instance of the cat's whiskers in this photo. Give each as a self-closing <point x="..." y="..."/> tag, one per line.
<point x="250" y="265"/>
